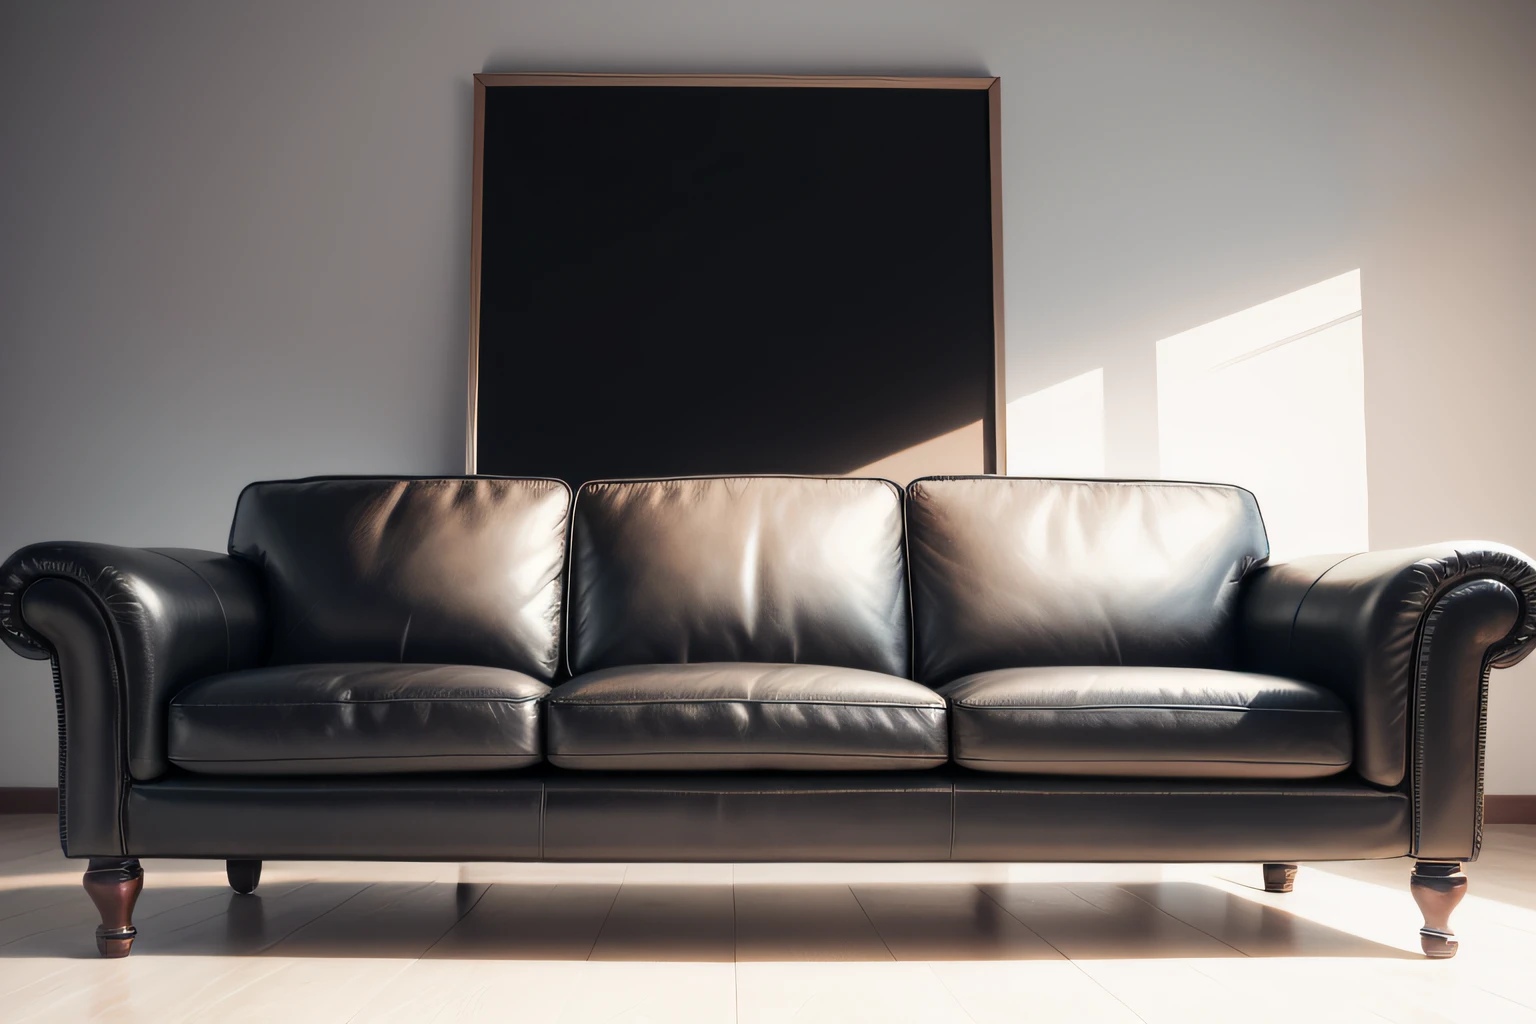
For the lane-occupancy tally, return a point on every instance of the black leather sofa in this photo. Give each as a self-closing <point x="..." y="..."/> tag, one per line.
<point x="766" y="668"/>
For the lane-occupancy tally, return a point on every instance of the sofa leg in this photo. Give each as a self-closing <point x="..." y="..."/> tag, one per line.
<point x="1437" y="887"/>
<point x="244" y="875"/>
<point x="1279" y="877"/>
<point x="113" y="884"/>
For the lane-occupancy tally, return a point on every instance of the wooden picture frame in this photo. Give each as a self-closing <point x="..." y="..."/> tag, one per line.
<point x="993" y="426"/>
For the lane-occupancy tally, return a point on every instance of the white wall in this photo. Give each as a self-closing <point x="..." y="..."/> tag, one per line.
<point x="234" y="237"/>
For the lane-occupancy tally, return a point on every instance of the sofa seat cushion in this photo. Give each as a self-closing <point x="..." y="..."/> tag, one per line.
<point x="726" y="715"/>
<point x="356" y="719"/>
<point x="1147" y="722"/>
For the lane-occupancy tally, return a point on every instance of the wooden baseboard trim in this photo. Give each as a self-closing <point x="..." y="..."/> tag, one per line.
<point x="1510" y="810"/>
<point x="29" y="800"/>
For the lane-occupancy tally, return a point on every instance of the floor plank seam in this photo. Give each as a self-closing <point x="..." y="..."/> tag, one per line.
<point x="878" y="933"/>
<point x="998" y="903"/>
<point x="456" y="922"/>
<point x="735" y="953"/>
<point x="1172" y="916"/>
<point x="62" y="900"/>
<point x="951" y="992"/>
<point x="598" y="935"/>
<point x="220" y="912"/>
<point x="260" y="950"/>
<point x="1076" y="966"/>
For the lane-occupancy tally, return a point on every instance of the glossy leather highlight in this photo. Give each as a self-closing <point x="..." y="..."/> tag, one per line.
<point x="745" y="716"/>
<point x="1147" y="723"/>
<point x="1015" y="573"/>
<point x="462" y="571"/>
<point x="1353" y="624"/>
<point x="803" y="570"/>
<point x="357" y="719"/>
<point x="172" y="616"/>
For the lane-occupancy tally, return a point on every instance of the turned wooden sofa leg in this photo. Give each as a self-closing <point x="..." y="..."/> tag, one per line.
<point x="1437" y="887"/>
<point x="1279" y="877"/>
<point x="244" y="875"/>
<point x="113" y="884"/>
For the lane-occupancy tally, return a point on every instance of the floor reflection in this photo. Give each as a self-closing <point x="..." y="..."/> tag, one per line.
<point x="695" y="923"/>
<point x="391" y="943"/>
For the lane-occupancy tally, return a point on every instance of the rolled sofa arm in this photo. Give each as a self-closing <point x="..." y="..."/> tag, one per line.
<point x="126" y="628"/>
<point x="1407" y="638"/>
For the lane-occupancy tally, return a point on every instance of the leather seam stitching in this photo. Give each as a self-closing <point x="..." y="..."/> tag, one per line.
<point x="844" y="755"/>
<point x="543" y="815"/>
<point x="1144" y="760"/>
<point x="787" y="791"/>
<point x="1127" y="481"/>
<point x="229" y="647"/>
<point x="353" y="703"/>
<point x="1197" y="794"/>
<point x="119" y="691"/>
<point x="1217" y="709"/>
<point x="574" y="702"/>
<point x="1426" y="639"/>
<point x="954" y="798"/>
<point x="1423" y="643"/>
<point x="906" y="572"/>
<point x="1296" y="615"/>
<point x="1426" y="631"/>
<point x="348" y="757"/>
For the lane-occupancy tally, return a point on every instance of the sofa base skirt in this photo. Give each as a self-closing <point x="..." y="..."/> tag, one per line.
<point x="380" y="817"/>
<point x="831" y="816"/>
<point x="949" y="814"/>
<point x="1037" y="819"/>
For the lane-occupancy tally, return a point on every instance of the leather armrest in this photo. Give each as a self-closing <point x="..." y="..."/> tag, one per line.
<point x="126" y="629"/>
<point x="1406" y="637"/>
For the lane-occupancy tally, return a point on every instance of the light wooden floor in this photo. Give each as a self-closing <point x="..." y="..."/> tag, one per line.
<point x="927" y="943"/>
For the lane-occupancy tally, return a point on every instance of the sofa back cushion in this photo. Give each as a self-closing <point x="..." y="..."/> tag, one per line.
<point x="446" y="570"/>
<point x="763" y="569"/>
<point x="1013" y="573"/>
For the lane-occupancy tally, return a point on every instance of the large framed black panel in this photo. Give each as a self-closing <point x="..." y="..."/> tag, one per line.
<point x="693" y="275"/>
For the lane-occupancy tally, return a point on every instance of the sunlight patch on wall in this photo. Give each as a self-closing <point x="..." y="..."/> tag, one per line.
<point x="1273" y="398"/>
<point x="958" y="452"/>
<point x="1059" y="430"/>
